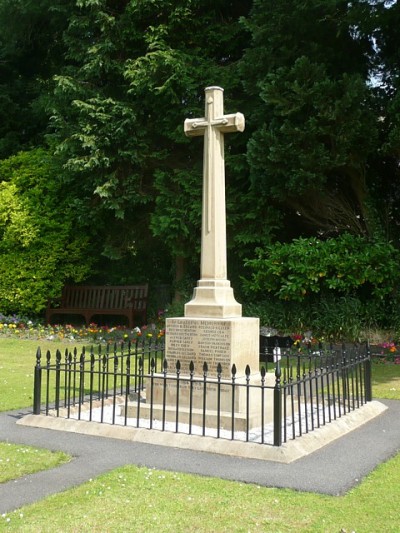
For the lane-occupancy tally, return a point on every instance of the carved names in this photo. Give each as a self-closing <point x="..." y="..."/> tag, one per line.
<point x="199" y="341"/>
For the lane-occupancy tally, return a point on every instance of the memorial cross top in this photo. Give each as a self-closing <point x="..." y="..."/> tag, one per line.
<point x="213" y="269"/>
<point x="213" y="126"/>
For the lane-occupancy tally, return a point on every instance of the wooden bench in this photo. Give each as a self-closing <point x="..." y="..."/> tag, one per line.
<point x="129" y="301"/>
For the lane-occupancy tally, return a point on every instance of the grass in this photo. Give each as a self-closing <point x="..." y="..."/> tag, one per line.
<point x="143" y="500"/>
<point x="17" y="361"/>
<point x="19" y="460"/>
<point x="386" y="381"/>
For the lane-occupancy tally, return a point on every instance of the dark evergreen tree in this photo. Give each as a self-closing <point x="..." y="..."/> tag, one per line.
<point x="133" y="72"/>
<point x="31" y="51"/>
<point x="317" y="81"/>
<point x="382" y="26"/>
<point x="313" y="123"/>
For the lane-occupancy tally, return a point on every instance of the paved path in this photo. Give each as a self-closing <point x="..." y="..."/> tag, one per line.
<point x="333" y="469"/>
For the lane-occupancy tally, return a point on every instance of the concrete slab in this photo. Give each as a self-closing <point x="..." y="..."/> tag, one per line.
<point x="289" y="452"/>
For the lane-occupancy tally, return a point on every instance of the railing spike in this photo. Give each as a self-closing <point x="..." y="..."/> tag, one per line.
<point x="313" y="386"/>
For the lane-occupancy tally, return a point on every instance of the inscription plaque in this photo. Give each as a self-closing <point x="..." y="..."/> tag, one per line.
<point x="199" y="341"/>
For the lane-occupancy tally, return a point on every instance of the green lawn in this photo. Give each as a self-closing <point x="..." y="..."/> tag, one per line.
<point x="142" y="500"/>
<point x="386" y="381"/>
<point x="19" y="460"/>
<point x="17" y="361"/>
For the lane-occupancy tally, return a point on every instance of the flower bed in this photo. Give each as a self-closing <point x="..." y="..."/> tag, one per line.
<point x="303" y="343"/>
<point x="385" y="352"/>
<point x="24" y="328"/>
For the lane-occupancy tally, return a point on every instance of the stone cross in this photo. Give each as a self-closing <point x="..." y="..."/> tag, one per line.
<point x="213" y="296"/>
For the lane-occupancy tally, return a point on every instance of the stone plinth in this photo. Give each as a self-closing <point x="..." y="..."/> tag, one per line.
<point x="226" y="341"/>
<point x="221" y="408"/>
<point x="216" y="341"/>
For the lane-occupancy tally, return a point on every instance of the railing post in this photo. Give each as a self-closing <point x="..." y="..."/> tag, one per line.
<point x="344" y="373"/>
<point x="277" y="406"/>
<point x="37" y="386"/>
<point x="368" y="381"/>
<point x="58" y="380"/>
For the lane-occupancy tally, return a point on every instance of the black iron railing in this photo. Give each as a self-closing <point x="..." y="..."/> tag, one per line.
<point x="133" y="385"/>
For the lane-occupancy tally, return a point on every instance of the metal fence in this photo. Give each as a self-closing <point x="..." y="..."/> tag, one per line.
<point x="133" y="385"/>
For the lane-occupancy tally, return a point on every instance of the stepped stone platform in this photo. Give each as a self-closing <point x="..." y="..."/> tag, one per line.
<point x="289" y="452"/>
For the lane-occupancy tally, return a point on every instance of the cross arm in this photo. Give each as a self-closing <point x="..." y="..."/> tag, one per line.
<point x="233" y="122"/>
<point x="194" y="127"/>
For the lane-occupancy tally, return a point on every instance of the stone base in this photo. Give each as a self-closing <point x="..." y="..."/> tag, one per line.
<point x="218" y="396"/>
<point x="225" y="341"/>
<point x="210" y="421"/>
<point x="213" y="399"/>
<point x="216" y="341"/>
<point x="289" y="452"/>
<point x="213" y="299"/>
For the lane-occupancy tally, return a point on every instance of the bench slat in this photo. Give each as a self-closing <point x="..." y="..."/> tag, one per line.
<point x="90" y="300"/>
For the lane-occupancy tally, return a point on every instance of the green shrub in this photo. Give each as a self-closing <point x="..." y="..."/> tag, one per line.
<point x="286" y="317"/>
<point x="330" y="316"/>
<point x="338" y="317"/>
<point x="340" y="266"/>
<point x="40" y="248"/>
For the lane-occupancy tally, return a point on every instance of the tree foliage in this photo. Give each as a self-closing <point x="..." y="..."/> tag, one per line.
<point x="344" y="265"/>
<point x="119" y="107"/>
<point x="31" y="51"/>
<point x="95" y="93"/>
<point x="40" y="248"/>
<point x="314" y="126"/>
